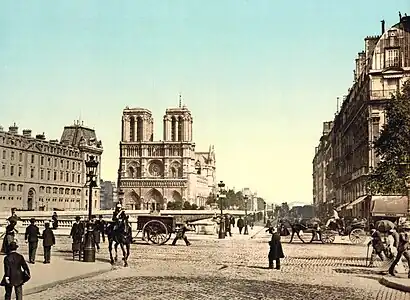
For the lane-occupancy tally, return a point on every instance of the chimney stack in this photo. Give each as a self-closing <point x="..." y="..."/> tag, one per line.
<point x="41" y="137"/>
<point x="13" y="129"/>
<point x="383" y="26"/>
<point x="27" y="133"/>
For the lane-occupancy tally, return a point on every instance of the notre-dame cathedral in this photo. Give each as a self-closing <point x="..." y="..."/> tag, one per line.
<point x="153" y="173"/>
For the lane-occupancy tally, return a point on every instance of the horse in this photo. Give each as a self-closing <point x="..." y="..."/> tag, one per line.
<point x="120" y="235"/>
<point x="297" y="226"/>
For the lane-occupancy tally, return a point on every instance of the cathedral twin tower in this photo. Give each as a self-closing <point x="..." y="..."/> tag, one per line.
<point x="138" y="125"/>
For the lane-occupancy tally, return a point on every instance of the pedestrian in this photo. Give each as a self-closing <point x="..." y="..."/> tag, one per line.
<point x="275" y="251"/>
<point x="54" y="218"/>
<point x="31" y="237"/>
<point x="402" y="250"/>
<point x="10" y="236"/>
<point x="240" y="224"/>
<point x="13" y="218"/>
<point x="181" y="234"/>
<point x="233" y="221"/>
<point x="77" y="232"/>
<point x="102" y="227"/>
<point x="378" y="246"/>
<point x="48" y="241"/>
<point x="393" y="240"/>
<point x="16" y="273"/>
<point x="228" y="225"/>
<point x="96" y="232"/>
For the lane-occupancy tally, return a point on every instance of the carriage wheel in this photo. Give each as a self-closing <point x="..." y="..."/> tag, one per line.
<point x="328" y="237"/>
<point x="156" y="232"/>
<point x="357" y="236"/>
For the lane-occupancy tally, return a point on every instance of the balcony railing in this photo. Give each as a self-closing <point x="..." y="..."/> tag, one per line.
<point x="382" y="94"/>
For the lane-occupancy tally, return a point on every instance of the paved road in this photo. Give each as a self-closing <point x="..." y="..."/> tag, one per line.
<point x="233" y="269"/>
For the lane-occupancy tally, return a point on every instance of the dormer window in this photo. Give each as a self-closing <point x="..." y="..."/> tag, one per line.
<point x="392" y="57"/>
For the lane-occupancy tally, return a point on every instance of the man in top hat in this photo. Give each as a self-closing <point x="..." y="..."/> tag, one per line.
<point x="16" y="273"/>
<point x="275" y="251"/>
<point x="31" y="236"/>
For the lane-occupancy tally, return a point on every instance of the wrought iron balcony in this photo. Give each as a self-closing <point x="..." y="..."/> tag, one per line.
<point x="382" y="94"/>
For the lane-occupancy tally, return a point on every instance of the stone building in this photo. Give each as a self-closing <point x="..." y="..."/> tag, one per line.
<point x="152" y="173"/>
<point x="381" y="69"/>
<point x="37" y="174"/>
<point x="108" y="194"/>
<point x="323" y="196"/>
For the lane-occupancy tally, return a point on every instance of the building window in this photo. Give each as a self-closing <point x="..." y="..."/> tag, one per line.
<point x="3" y="167"/>
<point x="12" y="155"/>
<point x="55" y="175"/>
<point x="392" y="58"/>
<point x="72" y="178"/>
<point x="11" y="188"/>
<point x="41" y="174"/>
<point x="73" y="166"/>
<point x="48" y="190"/>
<point x="32" y="173"/>
<point x="61" y="175"/>
<point x="55" y="163"/>
<point x="4" y="154"/>
<point x="20" y="171"/>
<point x="48" y="175"/>
<point x="20" y="157"/>
<point x="55" y="190"/>
<point x="49" y="161"/>
<point x="32" y="158"/>
<point x="11" y="170"/>
<point x="78" y="178"/>
<point x="67" y="177"/>
<point x="132" y="129"/>
<point x="62" y="164"/>
<point x="42" y="160"/>
<point x="61" y="191"/>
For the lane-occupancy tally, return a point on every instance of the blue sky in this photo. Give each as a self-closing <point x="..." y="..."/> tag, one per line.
<point x="259" y="76"/>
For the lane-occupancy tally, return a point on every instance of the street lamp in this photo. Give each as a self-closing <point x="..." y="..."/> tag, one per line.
<point x="89" y="243"/>
<point x="246" y="213"/>
<point x="264" y="212"/>
<point x="221" y="195"/>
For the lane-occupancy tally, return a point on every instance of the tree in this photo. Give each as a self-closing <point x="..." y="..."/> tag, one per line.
<point x="187" y="205"/>
<point x="393" y="147"/>
<point x="174" y="205"/>
<point x="194" y="206"/>
<point x="211" y="199"/>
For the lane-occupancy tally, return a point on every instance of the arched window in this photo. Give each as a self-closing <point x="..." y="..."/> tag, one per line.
<point x="180" y="128"/>
<point x="131" y="172"/>
<point x="132" y="129"/>
<point x="140" y="129"/>
<point x="173" y="129"/>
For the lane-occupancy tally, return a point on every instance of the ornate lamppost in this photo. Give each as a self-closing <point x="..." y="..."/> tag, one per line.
<point x="220" y="196"/>
<point x="407" y="183"/>
<point x="264" y="212"/>
<point x="245" y="231"/>
<point x="89" y="242"/>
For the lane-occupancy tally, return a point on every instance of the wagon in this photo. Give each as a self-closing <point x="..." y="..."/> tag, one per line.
<point x="353" y="228"/>
<point x="156" y="230"/>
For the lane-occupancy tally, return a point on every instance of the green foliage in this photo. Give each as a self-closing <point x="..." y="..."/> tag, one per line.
<point x="393" y="147"/>
<point x="175" y="205"/>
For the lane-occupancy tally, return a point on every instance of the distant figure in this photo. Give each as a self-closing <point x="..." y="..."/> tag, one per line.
<point x="48" y="241"/>
<point x="13" y="218"/>
<point x="276" y="251"/>
<point x="9" y="237"/>
<point x="228" y="225"/>
<point x="96" y="232"/>
<point x="101" y="224"/>
<point x="31" y="237"/>
<point x="55" y="220"/>
<point x="16" y="273"/>
<point x="403" y="249"/>
<point x="232" y="221"/>
<point x="240" y="224"/>
<point x="181" y="234"/>
<point x="77" y="232"/>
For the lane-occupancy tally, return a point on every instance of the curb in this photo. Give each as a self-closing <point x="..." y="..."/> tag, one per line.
<point x="394" y="285"/>
<point x="41" y="288"/>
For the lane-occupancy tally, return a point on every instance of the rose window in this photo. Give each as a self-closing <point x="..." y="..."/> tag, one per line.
<point x="155" y="169"/>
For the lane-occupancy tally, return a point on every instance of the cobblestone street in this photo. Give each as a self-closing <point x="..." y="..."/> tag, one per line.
<point x="231" y="269"/>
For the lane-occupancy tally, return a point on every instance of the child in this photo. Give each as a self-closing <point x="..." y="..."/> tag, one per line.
<point x="276" y="251"/>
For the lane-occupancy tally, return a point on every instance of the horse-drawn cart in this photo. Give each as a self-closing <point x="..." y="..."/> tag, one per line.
<point x="155" y="230"/>
<point x="354" y="229"/>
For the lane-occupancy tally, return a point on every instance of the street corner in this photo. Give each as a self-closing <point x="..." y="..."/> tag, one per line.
<point x="62" y="270"/>
<point x="398" y="282"/>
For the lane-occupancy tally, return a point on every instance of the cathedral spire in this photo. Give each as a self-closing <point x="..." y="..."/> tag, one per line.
<point x="180" y="100"/>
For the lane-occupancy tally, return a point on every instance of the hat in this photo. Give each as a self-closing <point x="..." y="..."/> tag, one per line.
<point x="13" y="246"/>
<point x="119" y="205"/>
<point x="78" y="218"/>
<point x="32" y="219"/>
<point x="46" y="222"/>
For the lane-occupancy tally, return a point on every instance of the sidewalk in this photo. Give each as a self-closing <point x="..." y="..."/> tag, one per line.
<point x="62" y="269"/>
<point x="399" y="282"/>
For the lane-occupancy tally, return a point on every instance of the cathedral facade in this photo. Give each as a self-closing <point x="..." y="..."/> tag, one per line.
<point x="154" y="173"/>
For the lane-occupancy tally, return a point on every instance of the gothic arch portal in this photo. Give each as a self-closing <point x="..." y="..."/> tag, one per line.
<point x="135" y="200"/>
<point x="176" y="196"/>
<point x="153" y="200"/>
<point x="31" y="199"/>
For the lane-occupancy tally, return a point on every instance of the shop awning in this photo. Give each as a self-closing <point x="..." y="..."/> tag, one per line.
<point x="341" y="206"/>
<point x="355" y="202"/>
<point x="389" y="206"/>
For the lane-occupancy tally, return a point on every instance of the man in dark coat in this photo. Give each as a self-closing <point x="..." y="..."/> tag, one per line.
<point x="96" y="232"/>
<point x="101" y="224"/>
<point x="378" y="246"/>
<point x="13" y="218"/>
<point x="9" y="236"/>
<point x="16" y="273"/>
<point x="240" y="224"/>
<point x="276" y="251"/>
<point x="54" y="218"/>
<point x="181" y="234"/>
<point x="48" y="241"/>
<point x="77" y="232"/>
<point x="31" y="236"/>
<point x="228" y="225"/>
